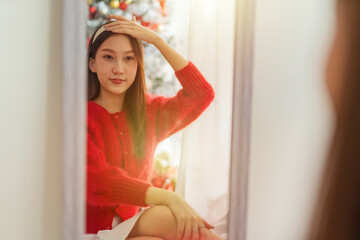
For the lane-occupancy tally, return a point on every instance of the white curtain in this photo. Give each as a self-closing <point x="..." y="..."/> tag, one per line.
<point x="204" y="169"/>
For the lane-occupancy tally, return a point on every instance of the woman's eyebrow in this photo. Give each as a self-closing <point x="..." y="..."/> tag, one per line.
<point x="128" y="51"/>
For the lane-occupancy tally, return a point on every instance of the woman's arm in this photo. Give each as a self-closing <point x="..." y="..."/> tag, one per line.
<point x="109" y="184"/>
<point x="176" y="61"/>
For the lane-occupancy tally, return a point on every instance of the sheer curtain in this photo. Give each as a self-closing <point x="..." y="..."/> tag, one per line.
<point x="204" y="169"/>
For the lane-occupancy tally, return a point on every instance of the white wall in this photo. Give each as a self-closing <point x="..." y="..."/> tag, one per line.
<point x="31" y="118"/>
<point x="291" y="115"/>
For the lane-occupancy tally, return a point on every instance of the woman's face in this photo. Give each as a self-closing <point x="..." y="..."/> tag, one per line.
<point x="115" y="64"/>
<point x="335" y="69"/>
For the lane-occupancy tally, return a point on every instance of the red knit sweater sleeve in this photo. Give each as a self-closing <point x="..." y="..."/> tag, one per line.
<point x="109" y="185"/>
<point x="175" y="113"/>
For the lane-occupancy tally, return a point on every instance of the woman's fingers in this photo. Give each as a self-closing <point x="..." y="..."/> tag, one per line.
<point x="121" y="28"/>
<point x="203" y="233"/>
<point x="131" y="28"/>
<point x="207" y="225"/>
<point x="180" y="229"/>
<point x="188" y="230"/>
<point x="195" y="231"/>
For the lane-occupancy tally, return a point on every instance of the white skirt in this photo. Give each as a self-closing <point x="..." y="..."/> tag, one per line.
<point x="120" y="232"/>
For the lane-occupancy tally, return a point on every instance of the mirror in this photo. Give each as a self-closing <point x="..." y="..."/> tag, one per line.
<point x="180" y="161"/>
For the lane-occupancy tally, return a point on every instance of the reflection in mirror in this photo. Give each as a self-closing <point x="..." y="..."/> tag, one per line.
<point x="135" y="102"/>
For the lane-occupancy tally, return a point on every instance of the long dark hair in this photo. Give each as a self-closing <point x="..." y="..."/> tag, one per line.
<point x="338" y="213"/>
<point x="134" y="105"/>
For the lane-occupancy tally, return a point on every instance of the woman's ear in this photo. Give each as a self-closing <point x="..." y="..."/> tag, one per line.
<point x="92" y="65"/>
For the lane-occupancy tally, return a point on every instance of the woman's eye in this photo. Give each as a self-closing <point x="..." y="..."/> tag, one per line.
<point x="108" y="57"/>
<point x="129" y="58"/>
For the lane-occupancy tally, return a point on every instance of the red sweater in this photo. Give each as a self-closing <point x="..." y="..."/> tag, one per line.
<point x="116" y="183"/>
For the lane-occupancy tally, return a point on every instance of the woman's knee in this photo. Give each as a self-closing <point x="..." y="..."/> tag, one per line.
<point x="163" y="214"/>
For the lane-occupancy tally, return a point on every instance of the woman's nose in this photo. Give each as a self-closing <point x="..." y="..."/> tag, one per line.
<point x="118" y="68"/>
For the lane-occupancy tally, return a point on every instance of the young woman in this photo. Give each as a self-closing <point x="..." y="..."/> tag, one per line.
<point x="124" y="126"/>
<point x="338" y="212"/>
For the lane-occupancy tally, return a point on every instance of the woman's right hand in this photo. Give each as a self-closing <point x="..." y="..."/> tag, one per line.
<point x="132" y="28"/>
<point x="190" y="225"/>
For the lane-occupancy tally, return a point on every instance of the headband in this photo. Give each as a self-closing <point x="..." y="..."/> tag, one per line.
<point x="99" y="31"/>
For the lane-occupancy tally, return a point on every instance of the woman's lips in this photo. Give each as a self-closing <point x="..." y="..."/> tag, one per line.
<point x="117" y="80"/>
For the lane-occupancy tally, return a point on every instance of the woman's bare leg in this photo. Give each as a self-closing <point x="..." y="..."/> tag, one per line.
<point x="159" y="221"/>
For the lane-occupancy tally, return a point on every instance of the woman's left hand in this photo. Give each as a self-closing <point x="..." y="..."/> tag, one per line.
<point x="126" y="26"/>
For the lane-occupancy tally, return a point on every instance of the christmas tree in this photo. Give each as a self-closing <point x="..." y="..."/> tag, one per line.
<point x="153" y="14"/>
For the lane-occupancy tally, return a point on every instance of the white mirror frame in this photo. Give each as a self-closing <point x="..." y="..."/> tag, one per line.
<point x="74" y="118"/>
<point x="75" y="112"/>
<point x="241" y="120"/>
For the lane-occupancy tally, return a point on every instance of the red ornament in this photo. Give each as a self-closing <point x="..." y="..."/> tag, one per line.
<point x="164" y="10"/>
<point x="123" y="6"/>
<point x="169" y="187"/>
<point x="158" y="181"/>
<point x="92" y="9"/>
<point x="154" y="26"/>
<point x="138" y="18"/>
<point x="92" y="12"/>
<point x="145" y="24"/>
<point x="162" y="3"/>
